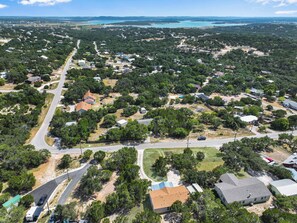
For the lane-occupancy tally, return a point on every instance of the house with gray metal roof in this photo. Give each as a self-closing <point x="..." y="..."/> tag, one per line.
<point x="244" y="191"/>
<point x="290" y="104"/>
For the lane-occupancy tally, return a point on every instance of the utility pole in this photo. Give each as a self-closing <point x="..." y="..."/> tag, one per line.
<point x="188" y="142"/>
<point x="48" y="210"/>
<point x="68" y="174"/>
<point x="235" y="135"/>
<point x="80" y="148"/>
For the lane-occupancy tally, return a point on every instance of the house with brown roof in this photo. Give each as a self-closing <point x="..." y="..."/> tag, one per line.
<point x="82" y="107"/>
<point x="162" y="200"/>
<point x="89" y="98"/>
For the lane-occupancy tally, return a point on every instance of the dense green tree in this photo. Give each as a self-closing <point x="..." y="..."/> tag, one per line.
<point x="99" y="156"/>
<point x="22" y="182"/>
<point x="200" y="156"/>
<point x="65" y="161"/>
<point x="27" y="200"/>
<point x="109" y="121"/>
<point x="281" y="124"/>
<point x="87" y="154"/>
<point x="95" y="212"/>
<point x="66" y="212"/>
<point x="147" y="217"/>
<point x="279" y="113"/>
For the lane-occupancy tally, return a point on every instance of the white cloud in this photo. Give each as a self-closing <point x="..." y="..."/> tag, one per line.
<point x="288" y="12"/>
<point x="2" y="6"/>
<point x="277" y="2"/>
<point x="43" y="2"/>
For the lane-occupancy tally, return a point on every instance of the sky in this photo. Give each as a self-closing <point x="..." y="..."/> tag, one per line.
<point x="240" y="8"/>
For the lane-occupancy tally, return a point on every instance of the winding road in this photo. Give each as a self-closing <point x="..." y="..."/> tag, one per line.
<point x="39" y="139"/>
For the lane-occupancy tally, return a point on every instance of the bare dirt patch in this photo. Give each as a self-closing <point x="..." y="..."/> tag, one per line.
<point x="45" y="172"/>
<point x="278" y="154"/>
<point x="260" y="208"/>
<point x="110" y="82"/>
<point x="107" y="189"/>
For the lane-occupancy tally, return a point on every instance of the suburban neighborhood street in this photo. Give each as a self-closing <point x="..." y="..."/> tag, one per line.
<point x="39" y="139"/>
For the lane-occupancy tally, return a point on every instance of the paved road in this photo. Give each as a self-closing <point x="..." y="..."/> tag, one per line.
<point x="75" y="179"/>
<point x="50" y="187"/>
<point x="173" y="144"/>
<point x="39" y="139"/>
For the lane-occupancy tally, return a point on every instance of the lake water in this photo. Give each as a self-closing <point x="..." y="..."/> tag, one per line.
<point x="181" y="24"/>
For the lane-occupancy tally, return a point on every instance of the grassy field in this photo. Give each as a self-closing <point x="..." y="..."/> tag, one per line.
<point x="211" y="161"/>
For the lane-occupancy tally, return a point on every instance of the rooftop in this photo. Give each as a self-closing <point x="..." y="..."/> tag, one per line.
<point x="235" y="189"/>
<point x="89" y="95"/>
<point x="292" y="103"/>
<point x="285" y="187"/>
<point x="83" y="106"/>
<point x="165" y="197"/>
<point x="291" y="159"/>
<point x="249" y="118"/>
<point x="12" y="201"/>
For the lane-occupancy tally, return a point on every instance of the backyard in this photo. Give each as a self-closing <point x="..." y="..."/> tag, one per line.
<point x="212" y="159"/>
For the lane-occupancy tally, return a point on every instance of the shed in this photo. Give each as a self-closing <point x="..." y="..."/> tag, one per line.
<point x="197" y="188"/>
<point x="12" y="202"/>
<point x="191" y="189"/>
<point x="122" y="123"/>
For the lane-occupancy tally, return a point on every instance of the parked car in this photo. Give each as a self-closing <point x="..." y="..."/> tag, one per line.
<point x="42" y="200"/>
<point x="201" y="138"/>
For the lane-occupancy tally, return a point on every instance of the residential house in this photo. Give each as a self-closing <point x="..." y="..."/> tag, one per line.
<point x="82" y="63"/>
<point x="142" y="111"/>
<point x="219" y="74"/>
<point x="291" y="161"/>
<point x="3" y="75"/>
<point x="146" y="122"/>
<point x="44" y="57"/>
<point x="122" y="123"/>
<point x="34" y="79"/>
<point x="89" y="98"/>
<point x="257" y="92"/>
<point x="250" y="119"/>
<point x="97" y="79"/>
<point x="82" y="107"/>
<point x="67" y="124"/>
<point x="244" y="191"/>
<point x="163" y="199"/>
<point x="294" y="173"/>
<point x="202" y="96"/>
<point x="290" y="104"/>
<point x="284" y="187"/>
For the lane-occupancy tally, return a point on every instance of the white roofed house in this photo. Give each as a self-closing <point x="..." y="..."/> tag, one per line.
<point x="249" y="119"/>
<point x="122" y="123"/>
<point x="44" y="57"/>
<point x="284" y="187"/>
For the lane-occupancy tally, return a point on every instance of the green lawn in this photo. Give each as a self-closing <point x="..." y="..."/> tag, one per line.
<point x="211" y="161"/>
